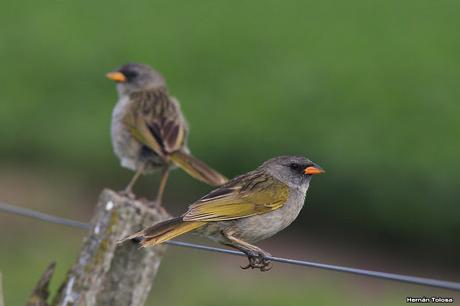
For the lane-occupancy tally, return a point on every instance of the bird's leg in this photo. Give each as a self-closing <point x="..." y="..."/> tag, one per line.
<point x="128" y="191"/>
<point x="256" y="256"/>
<point x="163" y="180"/>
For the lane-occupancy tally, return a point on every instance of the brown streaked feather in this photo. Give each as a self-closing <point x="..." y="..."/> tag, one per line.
<point x="143" y="134"/>
<point x="156" y="121"/>
<point x="247" y="195"/>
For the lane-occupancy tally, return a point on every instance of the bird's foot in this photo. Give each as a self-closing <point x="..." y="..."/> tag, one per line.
<point x="128" y="194"/>
<point x="258" y="261"/>
<point x="155" y="204"/>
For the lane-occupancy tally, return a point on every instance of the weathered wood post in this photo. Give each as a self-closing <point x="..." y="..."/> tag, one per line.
<point x="109" y="274"/>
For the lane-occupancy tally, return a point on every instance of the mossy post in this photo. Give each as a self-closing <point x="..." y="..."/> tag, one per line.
<point x="106" y="273"/>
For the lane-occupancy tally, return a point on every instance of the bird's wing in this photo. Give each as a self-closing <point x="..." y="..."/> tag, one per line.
<point x="247" y="195"/>
<point x="156" y="122"/>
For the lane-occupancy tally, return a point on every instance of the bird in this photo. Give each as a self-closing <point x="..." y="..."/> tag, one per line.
<point x="149" y="131"/>
<point x="247" y="209"/>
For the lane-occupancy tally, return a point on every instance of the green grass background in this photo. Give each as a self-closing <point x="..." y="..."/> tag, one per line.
<point x="367" y="89"/>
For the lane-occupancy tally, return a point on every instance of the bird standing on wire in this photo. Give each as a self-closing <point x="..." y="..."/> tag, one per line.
<point x="149" y="131"/>
<point x="249" y="208"/>
<point x="382" y="275"/>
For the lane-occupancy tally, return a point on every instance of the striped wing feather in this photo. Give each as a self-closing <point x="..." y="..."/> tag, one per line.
<point x="156" y="122"/>
<point x="251" y="194"/>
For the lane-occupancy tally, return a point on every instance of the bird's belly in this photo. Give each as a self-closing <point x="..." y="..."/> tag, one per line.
<point x="125" y="147"/>
<point x="260" y="227"/>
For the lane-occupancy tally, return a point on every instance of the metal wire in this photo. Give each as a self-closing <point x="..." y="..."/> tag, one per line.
<point x="381" y="275"/>
<point x="26" y="212"/>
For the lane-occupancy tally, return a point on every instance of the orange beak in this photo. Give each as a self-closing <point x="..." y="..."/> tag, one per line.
<point x="116" y="76"/>
<point x="313" y="170"/>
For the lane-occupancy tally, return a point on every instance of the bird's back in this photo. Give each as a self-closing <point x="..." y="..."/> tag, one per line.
<point x="162" y="116"/>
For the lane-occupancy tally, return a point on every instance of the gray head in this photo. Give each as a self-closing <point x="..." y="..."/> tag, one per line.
<point x="136" y="77"/>
<point x="295" y="171"/>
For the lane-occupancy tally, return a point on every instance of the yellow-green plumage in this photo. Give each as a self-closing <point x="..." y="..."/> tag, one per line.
<point x="255" y="193"/>
<point x="247" y="209"/>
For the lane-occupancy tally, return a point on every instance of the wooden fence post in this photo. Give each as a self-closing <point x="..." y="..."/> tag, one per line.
<point x="109" y="274"/>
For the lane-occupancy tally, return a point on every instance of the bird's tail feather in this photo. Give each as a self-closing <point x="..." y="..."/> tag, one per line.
<point x="163" y="231"/>
<point x="197" y="169"/>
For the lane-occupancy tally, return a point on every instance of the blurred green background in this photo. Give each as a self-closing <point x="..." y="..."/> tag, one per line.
<point x="367" y="89"/>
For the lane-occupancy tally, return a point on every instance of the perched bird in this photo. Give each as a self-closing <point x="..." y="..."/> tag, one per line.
<point x="149" y="131"/>
<point x="249" y="208"/>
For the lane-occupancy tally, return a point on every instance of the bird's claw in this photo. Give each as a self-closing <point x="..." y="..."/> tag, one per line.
<point x="258" y="261"/>
<point x="156" y="204"/>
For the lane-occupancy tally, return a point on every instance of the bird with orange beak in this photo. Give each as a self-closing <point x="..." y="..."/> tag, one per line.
<point x="249" y="208"/>
<point x="149" y="131"/>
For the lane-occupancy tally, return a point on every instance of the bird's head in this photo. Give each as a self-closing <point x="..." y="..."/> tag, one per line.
<point x="295" y="171"/>
<point x="136" y="77"/>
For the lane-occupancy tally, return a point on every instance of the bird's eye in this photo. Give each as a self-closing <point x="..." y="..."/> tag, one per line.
<point x="294" y="166"/>
<point x="130" y="74"/>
